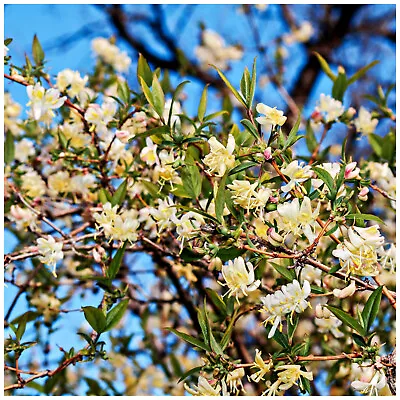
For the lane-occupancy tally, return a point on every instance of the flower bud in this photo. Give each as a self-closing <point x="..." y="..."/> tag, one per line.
<point x="215" y="263"/>
<point x="268" y="153"/>
<point x="123" y="136"/>
<point x="341" y="70"/>
<point x="316" y="116"/>
<point x="274" y="238"/>
<point x="346" y="292"/>
<point x="362" y="195"/>
<point x="351" y="171"/>
<point x="98" y="253"/>
<point x="322" y="312"/>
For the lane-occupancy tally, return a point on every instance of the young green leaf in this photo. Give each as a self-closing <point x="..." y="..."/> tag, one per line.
<point x="251" y="128"/>
<point x="191" y="179"/>
<point x="242" y="167"/>
<point x="293" y="132"/>
<point x="245" y="84"/>
<point x="325" y="66"/>
<point x="9" y="148"/>
<point x="190" y="372"/>
<point x="346" y="319"/>
<point x="115" y="314"/>
<point x="361" y="72"/>
<point x="37" y="51"/>
<point x="190" y="339"/>
<point x="95" y="317"/>
<point x="371" y="309"/>
<point x="144" y="71"/>
<point x="115" y="264"/>
<point x="120" y="193"/>
<point x="252" y="85"/>
<point x="217" y="300"/>
<point x="364" y="217"/>
<point x="326" y="177"/>
<point x="203" y="105"/>
<point x="220" y="199"/>
<point x="147" y="92"/>
<point x="158" y="96"/>
<point x="339" y="87"/>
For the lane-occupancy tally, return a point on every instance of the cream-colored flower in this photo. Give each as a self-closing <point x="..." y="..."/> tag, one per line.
<point x="346" y="292"/>
<point x="329" y="323"/>
<point x="234" y="380"/>
<point x="220" y="158"/>
<point x="330" y="108"/>
<point x="297" y="173"/>
<point x="149" y="153"/>
<point x="50" y="252"/>
<point x="132" y="127"/>
<point x="111" y="54"/>
<point x="262" y="366"/>
<point x="272" y="117"/>
<point x="238" y="278"/>
<point x="300" y="35"/>
<point x="290" y="375"/>
<point x="244" y="194"/>
<point x="42" y="101"/>
<point x="59" y="182"/>
<point x="372" y="387"/>
<point x="364" y="123"/>
<point x="32" y="184"/>
<point x="203" y="388"/>
<point x="23" y="150"/>
<point x="47" y="304"/>
<point x="23" y="217"/>
<point x="71" y="81"/>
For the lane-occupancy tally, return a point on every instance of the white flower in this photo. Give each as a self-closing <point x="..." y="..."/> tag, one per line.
<point x="262" y="366"/>
<point x="32" y="184"/>
<point x="302" y="34"/>
<point x="164" y="214"/>
<point x="272" y="116"/>
<point x="23" y="217"/>
<point x="187" y="225"/>
<point x="331" y="109"/>
<point x="176" y="109"/>
<point x="23" y="150"/>
<point x="234" y="380"/>
<point x="132" y="127"/>
<point x="6" y="49"/>
<point x="372" y="387"/>
<point x="73" y="132"/>
<point x="51" y="252"/>
<point x="346" y="292"/>
<point x="214" y="51"/>
<point x="149" y="153"/>
<point x="244" y="194"/>
<point x="364" y="123"/>
<point x="47" y="304"/>
<point x="290" y="375"/>
<point x="220" y="157"/>
<point x="238" y="278"/>
<point x="203" y="388"/>
<point x="111" y="54"/>
<point x="297" y="173"/>
<point x="289" y="299"/>
<point x="100" y="116"/>
<point x="359" y="253"/>
<point x="71" y="81"/>
<point x="298" y="219"/>
<point x="42" y="101"/>
<point x="329" y="323"/>
<point x="59" y="182"/>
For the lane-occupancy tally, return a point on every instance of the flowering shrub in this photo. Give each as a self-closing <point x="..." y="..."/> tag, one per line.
<point x="276" y="268"/>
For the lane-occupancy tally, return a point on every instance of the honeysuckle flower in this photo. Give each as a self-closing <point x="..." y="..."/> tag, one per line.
<point x="82" y="183"/>
<point x="290" y="375"/>
<point x="6" y="50"/>
<point x="50" y="252"/>
<point x="244" y="194"/>
<point x="289" y="299"/>
<point x="23" y="150"/>
<point x="363" y="193"/>
<point x="23" y="217"/>
<point x="100" y="116"/>
<point x="330" y="108"/>
<point x="187" y="225"/>
<point x="71" y="81"/>
<point x="385" y="179"/>
<point x="149" y="153"/>
<point x="46" y="304"/>
<point x="132" y="127"/>
<point x="298" y="219"/>
<point x="388" y="257"/>
<point x="301" y="35"/>
<point x="272" y="116"/>
<point x="32" y="184"/>
<point x="364" y="123"/>
<point x="111" y="54"/>
<point x="372" y="387"/>
<point x="214" y="51"/>
<point x="262" y="366"/>
<point x="322" y="312"/>
<point x="234" y="380"/>
<point x="73" y="132"/>
<point x="203" y="388"/>
<point x="164" y="214"/>
<point x="220" y="158"/>
<point x="176" y="110"/>
<point x="329" y="323"/>
<point x="59" y="182"/>
<point x="311" y="274"/>
<point x="164" y="171"/>
<point x="352" y="171"/>
<point x="297" y="173"/>
<point x="359" y="253"/>
<point x="346" y="292"/>
<point x="42" y="100"/>
<point x="238" y="278"/>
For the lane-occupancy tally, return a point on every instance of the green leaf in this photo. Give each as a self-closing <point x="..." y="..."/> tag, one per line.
<point x="279" y="337"/>
<point x="231" y="88"/>
<point x="21" y="327"/>
<point x="289" y="274"/>
<point x="334" y="269"/>
<point x="228" y="333"/>
<point x="158" y="96"/>
<point x="7" y="41"/>
<point x="325" y="66"/>
<point x="251" y="128"/>
<point x="217" y="300"/>
<point x="124" y="92"/>
<point x="245" y="85"/>
<point x="62" y="139"/>
<point x="346" y="319"/>
<point x="215" y="115"/>
<point x="120" y="193"/>
<point x="190" y="339"/>
<point x="243" y="166"/>
<point x="339" y="87"/>
<point x="177" y="91"/>
<point x="104" y="196"/>
<point x="292" y="323"/>
<point x="229" y="253"/>
<point x="358" y="339"/>
<point x="376" y="143"/>
<point x="37" y="51"/>
<point x="203" y="105"/>
<point x="147" y="92"/>
<point x="115" y="264"/>
<point x="220" y="199"/>
<point x="326" y="177"/>
<point x="9" y="148"/>
<point x="201" y="318"/>
<point x="293" y="132"/>
<point x="95" y="317"/>
<point x="252" y="84"/>
<point x="371" y="308"/>
<point x="361" y="72"/>
<point x="363" y="217"/>
<point x="191" y="179"/>
<point x="190" y="372"/>
<point x="144" y="71"/>
<point x="115" y="314"/>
